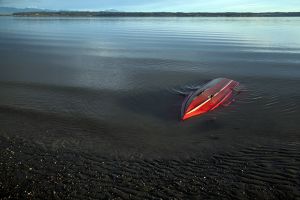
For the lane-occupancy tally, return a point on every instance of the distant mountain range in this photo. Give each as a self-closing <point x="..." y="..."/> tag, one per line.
<point x="11" y="10"/>
<point x="116" y="13"/>
<point x="153" y="14"/>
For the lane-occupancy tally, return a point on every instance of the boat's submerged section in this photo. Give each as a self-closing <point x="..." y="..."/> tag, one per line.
<point x="210" y="96"/>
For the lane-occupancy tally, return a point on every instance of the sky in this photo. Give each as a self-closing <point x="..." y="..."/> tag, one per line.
<point x="160" y="5"/>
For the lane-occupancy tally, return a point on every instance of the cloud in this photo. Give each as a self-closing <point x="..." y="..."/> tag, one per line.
<point x="18" y="3"/>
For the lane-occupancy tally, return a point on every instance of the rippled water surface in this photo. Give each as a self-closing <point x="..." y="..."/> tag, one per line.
<point x="106" y="84"/>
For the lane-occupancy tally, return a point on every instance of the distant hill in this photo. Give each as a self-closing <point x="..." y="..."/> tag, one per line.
<point x="155" y="14"/>
<point x="11" y="10"/>
<point x="112" y="10"/>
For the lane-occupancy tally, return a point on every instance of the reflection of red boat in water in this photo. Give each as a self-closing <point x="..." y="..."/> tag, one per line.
<point x="210" y="96"/>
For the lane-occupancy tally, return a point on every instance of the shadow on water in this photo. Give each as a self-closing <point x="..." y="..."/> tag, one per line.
<point x="160" y="104"/>
<point x="210" y="124"/>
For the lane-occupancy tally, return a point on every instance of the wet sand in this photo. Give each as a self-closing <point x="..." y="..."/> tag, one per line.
<point x="60" y="170"/>
<point x="258" y="172"/>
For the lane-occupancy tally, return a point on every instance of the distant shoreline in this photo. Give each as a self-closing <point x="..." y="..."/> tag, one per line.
<point x="153" y="14"/>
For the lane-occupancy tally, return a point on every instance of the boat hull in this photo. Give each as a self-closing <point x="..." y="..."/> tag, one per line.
<point x="207" y="98"/>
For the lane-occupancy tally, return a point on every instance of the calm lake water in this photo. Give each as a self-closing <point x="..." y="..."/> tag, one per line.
<point x="106" y="85"/>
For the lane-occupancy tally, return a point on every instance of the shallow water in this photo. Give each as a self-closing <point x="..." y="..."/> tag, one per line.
<point x="105" y="85"/>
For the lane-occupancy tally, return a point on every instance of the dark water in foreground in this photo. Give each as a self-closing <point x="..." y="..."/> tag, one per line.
<point x="104" y="86"/>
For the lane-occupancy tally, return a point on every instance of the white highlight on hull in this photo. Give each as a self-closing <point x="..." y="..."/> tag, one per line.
<point x="193" y="110"/>
<point x="224" y="87"/>
<point x="202" y="104"/>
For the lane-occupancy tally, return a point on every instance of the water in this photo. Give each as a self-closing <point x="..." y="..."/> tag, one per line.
<point x="105" y="85"/>
<point x="88" y="108"/>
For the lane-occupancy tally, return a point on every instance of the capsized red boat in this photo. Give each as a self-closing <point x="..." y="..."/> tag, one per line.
<point x="217" y="92"/>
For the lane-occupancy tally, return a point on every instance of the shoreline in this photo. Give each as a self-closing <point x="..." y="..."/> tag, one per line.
<point x="153" y="14"/>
